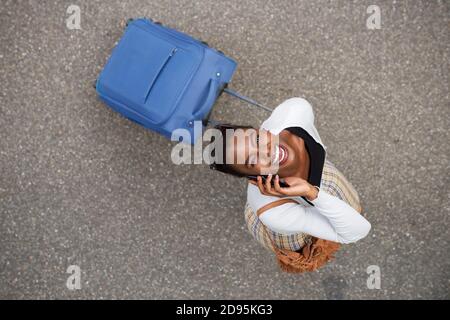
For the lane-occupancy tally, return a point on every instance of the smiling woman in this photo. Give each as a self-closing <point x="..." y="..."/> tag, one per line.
<point x="288" y="148"/>
<point x="249" y="151"/>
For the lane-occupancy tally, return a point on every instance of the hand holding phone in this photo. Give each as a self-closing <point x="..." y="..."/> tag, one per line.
<point x="291" y="186"/>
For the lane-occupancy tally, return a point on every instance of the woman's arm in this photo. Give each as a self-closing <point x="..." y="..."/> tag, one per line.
<point x="329" y="219"/>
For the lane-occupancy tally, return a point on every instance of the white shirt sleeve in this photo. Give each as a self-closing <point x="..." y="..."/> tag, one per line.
<point x="330" y="218"/>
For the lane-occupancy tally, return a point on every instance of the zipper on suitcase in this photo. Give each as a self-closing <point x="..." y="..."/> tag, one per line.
<point x="159" y="72"/>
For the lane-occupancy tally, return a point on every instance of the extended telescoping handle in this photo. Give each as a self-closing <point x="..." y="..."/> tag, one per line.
<point x="233" y="93"/>
<point x="246" y="99"/>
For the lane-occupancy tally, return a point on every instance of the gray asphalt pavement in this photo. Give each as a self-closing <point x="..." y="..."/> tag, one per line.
<point x="80" y="185"/>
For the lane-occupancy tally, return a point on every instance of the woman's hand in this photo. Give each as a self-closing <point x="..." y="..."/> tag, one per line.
<point x="298" y="187"/>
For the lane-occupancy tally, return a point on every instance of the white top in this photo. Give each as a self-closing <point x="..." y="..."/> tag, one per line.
<point x="330" y="218"/>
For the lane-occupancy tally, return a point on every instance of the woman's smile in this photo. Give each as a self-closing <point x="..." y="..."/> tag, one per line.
<point x="283" y="154"/>
<point x="280" y="155"/>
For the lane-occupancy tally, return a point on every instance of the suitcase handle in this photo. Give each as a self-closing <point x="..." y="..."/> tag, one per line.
<point x="233" y="93"/>
<point x="246" y="99"/>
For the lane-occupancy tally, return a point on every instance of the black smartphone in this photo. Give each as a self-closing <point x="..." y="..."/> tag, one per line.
<point x="283" y="184"/>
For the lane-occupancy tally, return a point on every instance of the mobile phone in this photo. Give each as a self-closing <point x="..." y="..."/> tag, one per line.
<point x="283" y="184"/>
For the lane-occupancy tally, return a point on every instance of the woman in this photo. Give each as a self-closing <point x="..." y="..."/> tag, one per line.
<point x="305" y="220"/>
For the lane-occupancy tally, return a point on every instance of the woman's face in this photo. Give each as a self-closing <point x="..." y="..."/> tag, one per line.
<point x="259" y="152"/>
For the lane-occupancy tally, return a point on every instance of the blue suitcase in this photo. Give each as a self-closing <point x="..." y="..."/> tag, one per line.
<point x="164" y="79"/>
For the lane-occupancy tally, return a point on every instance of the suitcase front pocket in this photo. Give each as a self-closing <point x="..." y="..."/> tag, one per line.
<point x="148" y="73"/>
<point x="135" y="67"/>
<point x="155" y="77"/>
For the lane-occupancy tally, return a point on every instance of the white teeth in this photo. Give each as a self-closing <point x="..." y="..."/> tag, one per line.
<point x="276" y="156"/>
<point x="279" y="155"/>
<point x="283" y="154"/>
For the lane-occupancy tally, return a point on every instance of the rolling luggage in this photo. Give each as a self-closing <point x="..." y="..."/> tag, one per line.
<point x="164" y="79"/>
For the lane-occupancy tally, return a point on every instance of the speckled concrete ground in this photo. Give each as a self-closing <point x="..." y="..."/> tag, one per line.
<point x="81" y="185"/>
